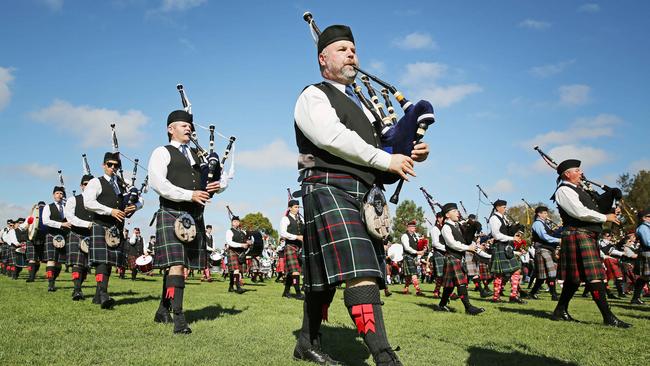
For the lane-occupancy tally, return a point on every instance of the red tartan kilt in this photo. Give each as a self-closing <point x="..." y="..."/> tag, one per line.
<point x="484" y="271"/>
<point x="280" y="266"/>
<point x="613" y="269"/>
<point x="454" y="274"/>
<point x="580" y="257"/>
<point x="291" y="259"/>
<point x="233" y="261"/>
<point x="131" y="262"/>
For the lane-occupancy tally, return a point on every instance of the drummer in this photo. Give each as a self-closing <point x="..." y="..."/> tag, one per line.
<point x="134" y="250"/>
<point x="57" y="228"/>
<point x="211" y="250"/>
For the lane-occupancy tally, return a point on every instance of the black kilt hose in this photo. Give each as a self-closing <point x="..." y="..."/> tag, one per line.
<point x="75" y="256"/>
<point x="408" y="266"/>
<point x="545" y="264"/>
<point x="500" y="264"/>
<point x="437" y="261"/>
<point x="642" y="264"/>
<point x="291" y="259"/>
<point x="233" y="260"/>
<point x="454" y="272"/>
<point x="170" y="251"/>
<point x="99" y="252"/>
<point x="35" y="251"/>
<point x="59" y="255"/>
<point x="337" y="246"/>
<point x="580" y="257"/>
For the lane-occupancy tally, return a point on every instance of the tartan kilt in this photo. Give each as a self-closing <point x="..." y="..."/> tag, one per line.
<point x="580" y="257"/>
<point x="642" y="264"/>
<point x="337" y="246"/>
<point x="281" y="265"/>
<point x="35" y="253"/>
<point x="484" y="273"/>
<point x="454" y="273"/>
<point x="500" y="264"/>
<point x="59" y="255"/>
<point x="20" y="259"/>
<point x="99" y="252"/>
<point x="408" y="266"/>
<point x="471" y="263"/>
<point x="3" y="253"/>
<point x="130" y="261"/>
<point x="544" y="264"/>
<point x="75" y="256"/>
<point x="291" y="259"/>
<point x="437" y="261"/>
<point x="612" y="268"/>
<point x="10" y="255"/>
<point x="233" y="261"/>
<point x="254" y="264"/>
<point x="172" y="252"/>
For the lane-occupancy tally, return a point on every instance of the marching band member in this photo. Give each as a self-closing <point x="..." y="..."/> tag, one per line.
<point x="81" y="219"/>
<point x="409" y="241"/>
<point x="340" y="153"/>
<point x="437" y="259"/>
<point x="579" y="255"/>
<point x="54" y="219"/>
<point x="642" y="265"/>
<point x="291" y="229"/>
<point x="503" y="264"/>
<point x="103" y="197"/>
<point x="15" y="238"/>
<point x="174" y="174"/>
<point x="3" y="248"/>
<point x="210" y="248"/>
<point x="545" y="244"/>
<point x="455" y="275"/>
<point x="134" y="249"/>
<point x="237" y="243"/>
<point x="613" y="265"/>
<point x="35" y="252"/>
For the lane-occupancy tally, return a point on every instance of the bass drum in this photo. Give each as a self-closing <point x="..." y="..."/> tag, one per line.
<point x="32" y="228"/>
<point x="396" y="252"/>
<point x="144" y="263"/>
<point x="215" y="259"/>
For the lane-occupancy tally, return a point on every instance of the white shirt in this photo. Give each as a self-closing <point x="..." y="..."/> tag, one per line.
<point x="158" y="162"/>
<point x="495" y="226"/>
<point x="448" y="235"/>
<point x="568" y="199"/>
<point x="69" y="209"/>
<point x="10" y="238"/>
<point x="46" y="216"/>
<point x="435" y="238"/>
<point x="230" y="242"/>
<point x="93" y="190"/>
<point x="284" y="224"/>
<point x="317" y="120"/>
<point x="406" y="244"/>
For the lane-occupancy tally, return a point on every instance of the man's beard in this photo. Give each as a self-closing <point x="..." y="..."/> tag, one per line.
<point x="348" y="72"/>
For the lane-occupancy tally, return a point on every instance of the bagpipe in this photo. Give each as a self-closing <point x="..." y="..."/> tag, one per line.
<point x="397" y="136"/>
<point x="610" y="197"/>
<point x="555" y="228"/>
<point x="130" y="192"/>
<point x="513" y="227"/>
<point x="256" y="238"/>
<point x="211" y="167"/>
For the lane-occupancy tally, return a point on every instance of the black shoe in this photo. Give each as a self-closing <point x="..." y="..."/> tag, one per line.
<point x="29" y="280"/>
<point x="561" y="314"/>
<point x="314" y="354"/>
<point x="613" y="321"/>
<point x="107" y="302"/>
<point x="554" y="297"/>
<point x="637" y="301"/>
<point x="240" y="290"/>
<point x="496" y="301"/>
<point x="299" y="297"/>
<point x="387" y="357"/>
<point x="180" y="325"/>
<point x="163" y="317"/>
<point x="532" y="296"/>
<point x="96" y="299"/>
<point x="230" y="289"/>
<point x="77" y="295"/>
<point x="51" y="288"/>
<point x="473" y="310"/>
<point x="388" y="293"/>
<point x="286" y="295"/>
<point x="517" y="300"/>
<point x="444" y="309"/>
<point x="611" y="295"/>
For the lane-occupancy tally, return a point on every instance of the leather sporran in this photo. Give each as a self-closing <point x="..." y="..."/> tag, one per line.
<point x="84" y="244"/>
<point x="58" y="241"/>
<point x="375" y="214"/>
<point x="185" y="228"/>
<point x="510" y="250"/>
<point x="112" y="236"/>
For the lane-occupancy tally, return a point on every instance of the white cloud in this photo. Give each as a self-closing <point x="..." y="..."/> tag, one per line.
<point x="643" y="164"/>
<point x="180" y="5"/>
<point x="376" y="66"/>
<point x="589" y="8"/>
<point x="501" y="186"/>
<point x="590" y="156"/>
<point x="54" y="5"/>
<point x="415" y="41"/>
<point x="422" y="78"/>
<point x="545" y="71"/>
<point x="6" y="78"/>
<point x="601" y="125"/>
<point x="576" y="94"/>
<point x="92" y="125"/>
<point x="12" y="211"/>
<point x="534" y="24"/>
<point x="277" y="154"/>
<point x="45" y="172"/>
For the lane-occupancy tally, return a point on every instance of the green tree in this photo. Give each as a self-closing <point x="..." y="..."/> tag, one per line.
<point x="636" y="196"/>
<point x="405" y="212"/>
<point x="526" y="216"/>
<point x="259" y="222"/>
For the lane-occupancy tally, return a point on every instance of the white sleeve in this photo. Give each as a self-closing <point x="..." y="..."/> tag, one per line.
<point x="12" y="239"/>
<point x="568" y="199"/>
<point x="451" y="242"/>
<point x="495" y="226"/>
<point x="92" y="191"/>
<point x="435" y="238"/>
<point x="46" y="218"/>
<point x="158" y="177"/>
<point x="405" y="243"/>
<point x="284" y="224"/>
<point x="318" y="121"/>
<point x="230" y="242"/>
<point x="69" y="209"/>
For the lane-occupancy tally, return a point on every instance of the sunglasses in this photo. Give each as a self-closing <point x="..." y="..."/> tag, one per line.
<point x="112" y="165"/>
<point x="84" y="184"/>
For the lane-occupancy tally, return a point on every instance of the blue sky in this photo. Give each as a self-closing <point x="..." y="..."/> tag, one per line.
<point x="503" y="76"/>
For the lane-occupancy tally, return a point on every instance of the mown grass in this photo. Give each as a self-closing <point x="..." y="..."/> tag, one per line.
<point x="260" y="328"/>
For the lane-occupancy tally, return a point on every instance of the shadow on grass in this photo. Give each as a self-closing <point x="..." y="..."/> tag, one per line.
<point x="530" y="312"/>
<point x="629" y="306"/>
<point x="135" y="300"/>
<point x="342" y="344"/>
<point x="432" y="306"/>
<point x="484" y="356"/>
<point x="210" y="313"/>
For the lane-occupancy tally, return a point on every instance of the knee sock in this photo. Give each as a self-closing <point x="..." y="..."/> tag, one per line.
<point x="599" y="295"/>
<point x="537" y="286"/>
<point x="232" y="280"/>
<point x="165" y="305"/>
<point x="49" y="273"/>
<point x="638" y="288"/>
<point x="514" y="282"/>
<point x="551" y="286"/>
<point x="315" y="310"/>
<point x="498" y="280"/>
<point x="619" y="286"/>
<point x="296" y="283"/>
<point x="464" y="297"/>
<point x="174" y="294"/>
<point x="568" y="291"/>
<point x="416" y="284"/>
<point x="76" y="279"/>
<point x="288" y="281"/>
<point x="446" y="293"/>
<point x="57" y="271"/>
<point x="438" y="284"/>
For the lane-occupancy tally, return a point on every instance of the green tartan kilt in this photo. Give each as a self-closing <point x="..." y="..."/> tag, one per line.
<point x="408" y="266"/>
<point x="500" y="264"/>
<point x="20" y="259"/>
<point x="337" y="246"/>
<point x="99" y="252"/>
<point x="580" y="257"/>
<point x="75" y="256"/>
<point x="170" y="251"/>
<point x="59" y="255"/>
<point x="291" y="259"/>
<point x="454" y="273"/>
<point x="437" y="261"/>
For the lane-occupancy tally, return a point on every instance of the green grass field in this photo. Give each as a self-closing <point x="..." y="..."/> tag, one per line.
<point x="260" y="328"/>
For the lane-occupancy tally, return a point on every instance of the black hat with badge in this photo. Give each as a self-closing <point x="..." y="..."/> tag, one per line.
<point x="332" y="34"/>
<point x="567" y="164"/>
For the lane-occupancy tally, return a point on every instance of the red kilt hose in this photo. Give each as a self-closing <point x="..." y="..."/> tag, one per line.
<point x="233" y="260"/>
<point x="612" y="268"/>
<point x="59" y="255"/>
<point x="170" y="251"/>
<point x="75" y="256"/>
<point x="291" y="259"/>
<point x="337" y="246"/>
<point x="545" y="264"/>
<point x="580" y="257"/>
<point x="642" y="264"/>
<point x="99" y="252"/>
<point x="454" y="273"/>
<point x="408" y="266"/>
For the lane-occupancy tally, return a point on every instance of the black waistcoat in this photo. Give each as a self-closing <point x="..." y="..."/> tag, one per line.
<point x="295" y="227"/>
<point x="353" y="118"/>
<point x="539" y="240"/>
<point x="55" y="215"/>
<point x="413" y="243"/>
<point x="587" y="201"/>
<point x="238" y="236"/>
<point x="82" y="213"/>
<point x="458" y="235"/>
<point x="181" y="174"/>
<point x="21" y="235"/>
<point x="136" y="249"/>
<point x="109" y="198"/>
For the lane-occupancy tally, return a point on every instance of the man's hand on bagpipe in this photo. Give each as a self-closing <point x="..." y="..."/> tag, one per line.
<point x="200" y="197"/>
<point x="420" y="152"/>
<point x="213" y="187"/>
<point x="401" y="165"/>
